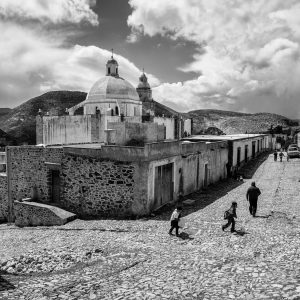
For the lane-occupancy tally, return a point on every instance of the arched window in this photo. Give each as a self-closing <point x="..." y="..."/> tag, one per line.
<point x="108" y="70"/>
<point x="117" y="110"/>
<point x="117" y="71"/>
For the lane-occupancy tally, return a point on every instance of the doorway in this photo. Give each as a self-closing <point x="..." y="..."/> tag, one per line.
<point x="163" y="185"/>
<point x="55" y="186"/>
<point x="205" y="183"/>
<point x="238" y="160"/>
<point x="246" y="153"/>
<point x="253" y="149"/>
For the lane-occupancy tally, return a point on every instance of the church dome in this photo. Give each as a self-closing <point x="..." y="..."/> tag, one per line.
<point x="111" y="88"/>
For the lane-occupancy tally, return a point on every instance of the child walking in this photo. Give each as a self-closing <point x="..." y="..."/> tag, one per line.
<point x="176" y="215"/>
<point x="230" y="215"/>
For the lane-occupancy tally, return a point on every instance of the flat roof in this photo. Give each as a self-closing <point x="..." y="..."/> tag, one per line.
<point x="88" y="146"/>
<point x="228" y="137"/>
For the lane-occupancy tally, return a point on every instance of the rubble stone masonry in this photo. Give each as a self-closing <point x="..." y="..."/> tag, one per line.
<point x="27" y="171"/>
<point x="3" y="198"/>
<point x="94" y="187"/>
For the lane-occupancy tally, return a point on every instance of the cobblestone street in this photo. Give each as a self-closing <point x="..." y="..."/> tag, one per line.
<point x="137" y="259"/>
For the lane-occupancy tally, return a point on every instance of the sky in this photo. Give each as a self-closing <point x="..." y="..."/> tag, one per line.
<point x="197" y="54"/>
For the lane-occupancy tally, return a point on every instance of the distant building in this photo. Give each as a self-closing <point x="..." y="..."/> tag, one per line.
<point x="241" y="147"/>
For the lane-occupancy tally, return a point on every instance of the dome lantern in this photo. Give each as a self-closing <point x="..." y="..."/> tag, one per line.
<point x="112" y="66"/>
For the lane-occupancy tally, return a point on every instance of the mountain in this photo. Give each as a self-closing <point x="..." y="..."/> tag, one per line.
<point x="234" y="122"/>
<point x="20" y="121"/>
<point x="4" y="111"/>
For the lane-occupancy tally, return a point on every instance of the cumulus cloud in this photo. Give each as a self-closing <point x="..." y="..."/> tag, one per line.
<point x="54" y="11"/>
<point x="35" y="59"/>
<point x="31" y="64"/>
<point x="248" y="52"/>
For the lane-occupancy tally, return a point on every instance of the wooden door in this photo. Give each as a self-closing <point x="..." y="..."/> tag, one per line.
<point x="238" y="156"/>
<point x="253" y="149"/>
<point x="246" y="153"/>
<point x="205" y="175"/>
<point x="55" y="186"/>
<point x="163" y="185"/>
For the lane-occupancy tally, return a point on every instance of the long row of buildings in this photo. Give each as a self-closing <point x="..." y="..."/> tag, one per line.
<point x="118" y="158"/>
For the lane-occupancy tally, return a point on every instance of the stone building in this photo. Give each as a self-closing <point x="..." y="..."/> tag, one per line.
<point x="94" y="180"/>
<point x="86" y="165"/>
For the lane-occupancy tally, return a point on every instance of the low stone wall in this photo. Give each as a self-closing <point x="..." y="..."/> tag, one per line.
<point x="93" y="187"/>
<point x="3" y="198"/>
<point x="37" y="214"/>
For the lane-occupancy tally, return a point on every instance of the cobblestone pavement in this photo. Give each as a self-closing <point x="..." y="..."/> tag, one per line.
<point x="117" y="259"/>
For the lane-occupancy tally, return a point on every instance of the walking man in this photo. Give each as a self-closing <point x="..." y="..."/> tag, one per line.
<point x="230" y="215"/>
<point x="252" y="196"/>
<point x="176" y="215"/>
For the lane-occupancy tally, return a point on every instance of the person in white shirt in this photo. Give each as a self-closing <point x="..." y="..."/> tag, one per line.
<point x="176" y="215"/>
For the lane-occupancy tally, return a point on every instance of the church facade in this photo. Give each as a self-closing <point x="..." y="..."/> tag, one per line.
<point x="114" y="112"/>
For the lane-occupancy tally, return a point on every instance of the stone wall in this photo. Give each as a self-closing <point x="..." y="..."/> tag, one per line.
<point x="38" y="214"/>
<point x="3" y="198"/>
<point x="28" y="172"/>
<point x="92" y="187"/>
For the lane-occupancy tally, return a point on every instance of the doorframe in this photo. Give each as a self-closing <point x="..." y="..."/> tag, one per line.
<point x="51" y="167"/>
<point x="205" y="180"/>
<point x="151" y="181"/>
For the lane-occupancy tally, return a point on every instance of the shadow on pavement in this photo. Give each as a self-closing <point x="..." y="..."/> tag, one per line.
<point x="250" y="168"/>
<point x="5" y="284"/>
<point x="215" y="191"/>
<point x="185" y="236"/>
<point x="241" y="232"/>
<point x="201" y="199"/>
<point x="264" y="217"/>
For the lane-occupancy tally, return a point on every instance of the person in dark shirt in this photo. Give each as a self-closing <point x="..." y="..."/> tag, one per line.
<point x="281" y="155"/>
<point x="231" y="214"/>
<point x="252" y="196"/>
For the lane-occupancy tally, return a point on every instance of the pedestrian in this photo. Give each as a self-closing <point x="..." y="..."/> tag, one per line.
<point x="230" y="214"/>
<point x="281" y="155"/>
<point x="275" y="155"/>
<point x="175" y="217"/>
<point x="252" y="196"/>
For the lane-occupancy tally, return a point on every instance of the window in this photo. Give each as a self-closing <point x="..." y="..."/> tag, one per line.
<point x="117" y="110"/>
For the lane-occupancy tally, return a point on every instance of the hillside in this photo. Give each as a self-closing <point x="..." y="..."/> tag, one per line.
<point x="4" y="111"/>
<point x="20" y="121"/>
<point x="234" y="122"/>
